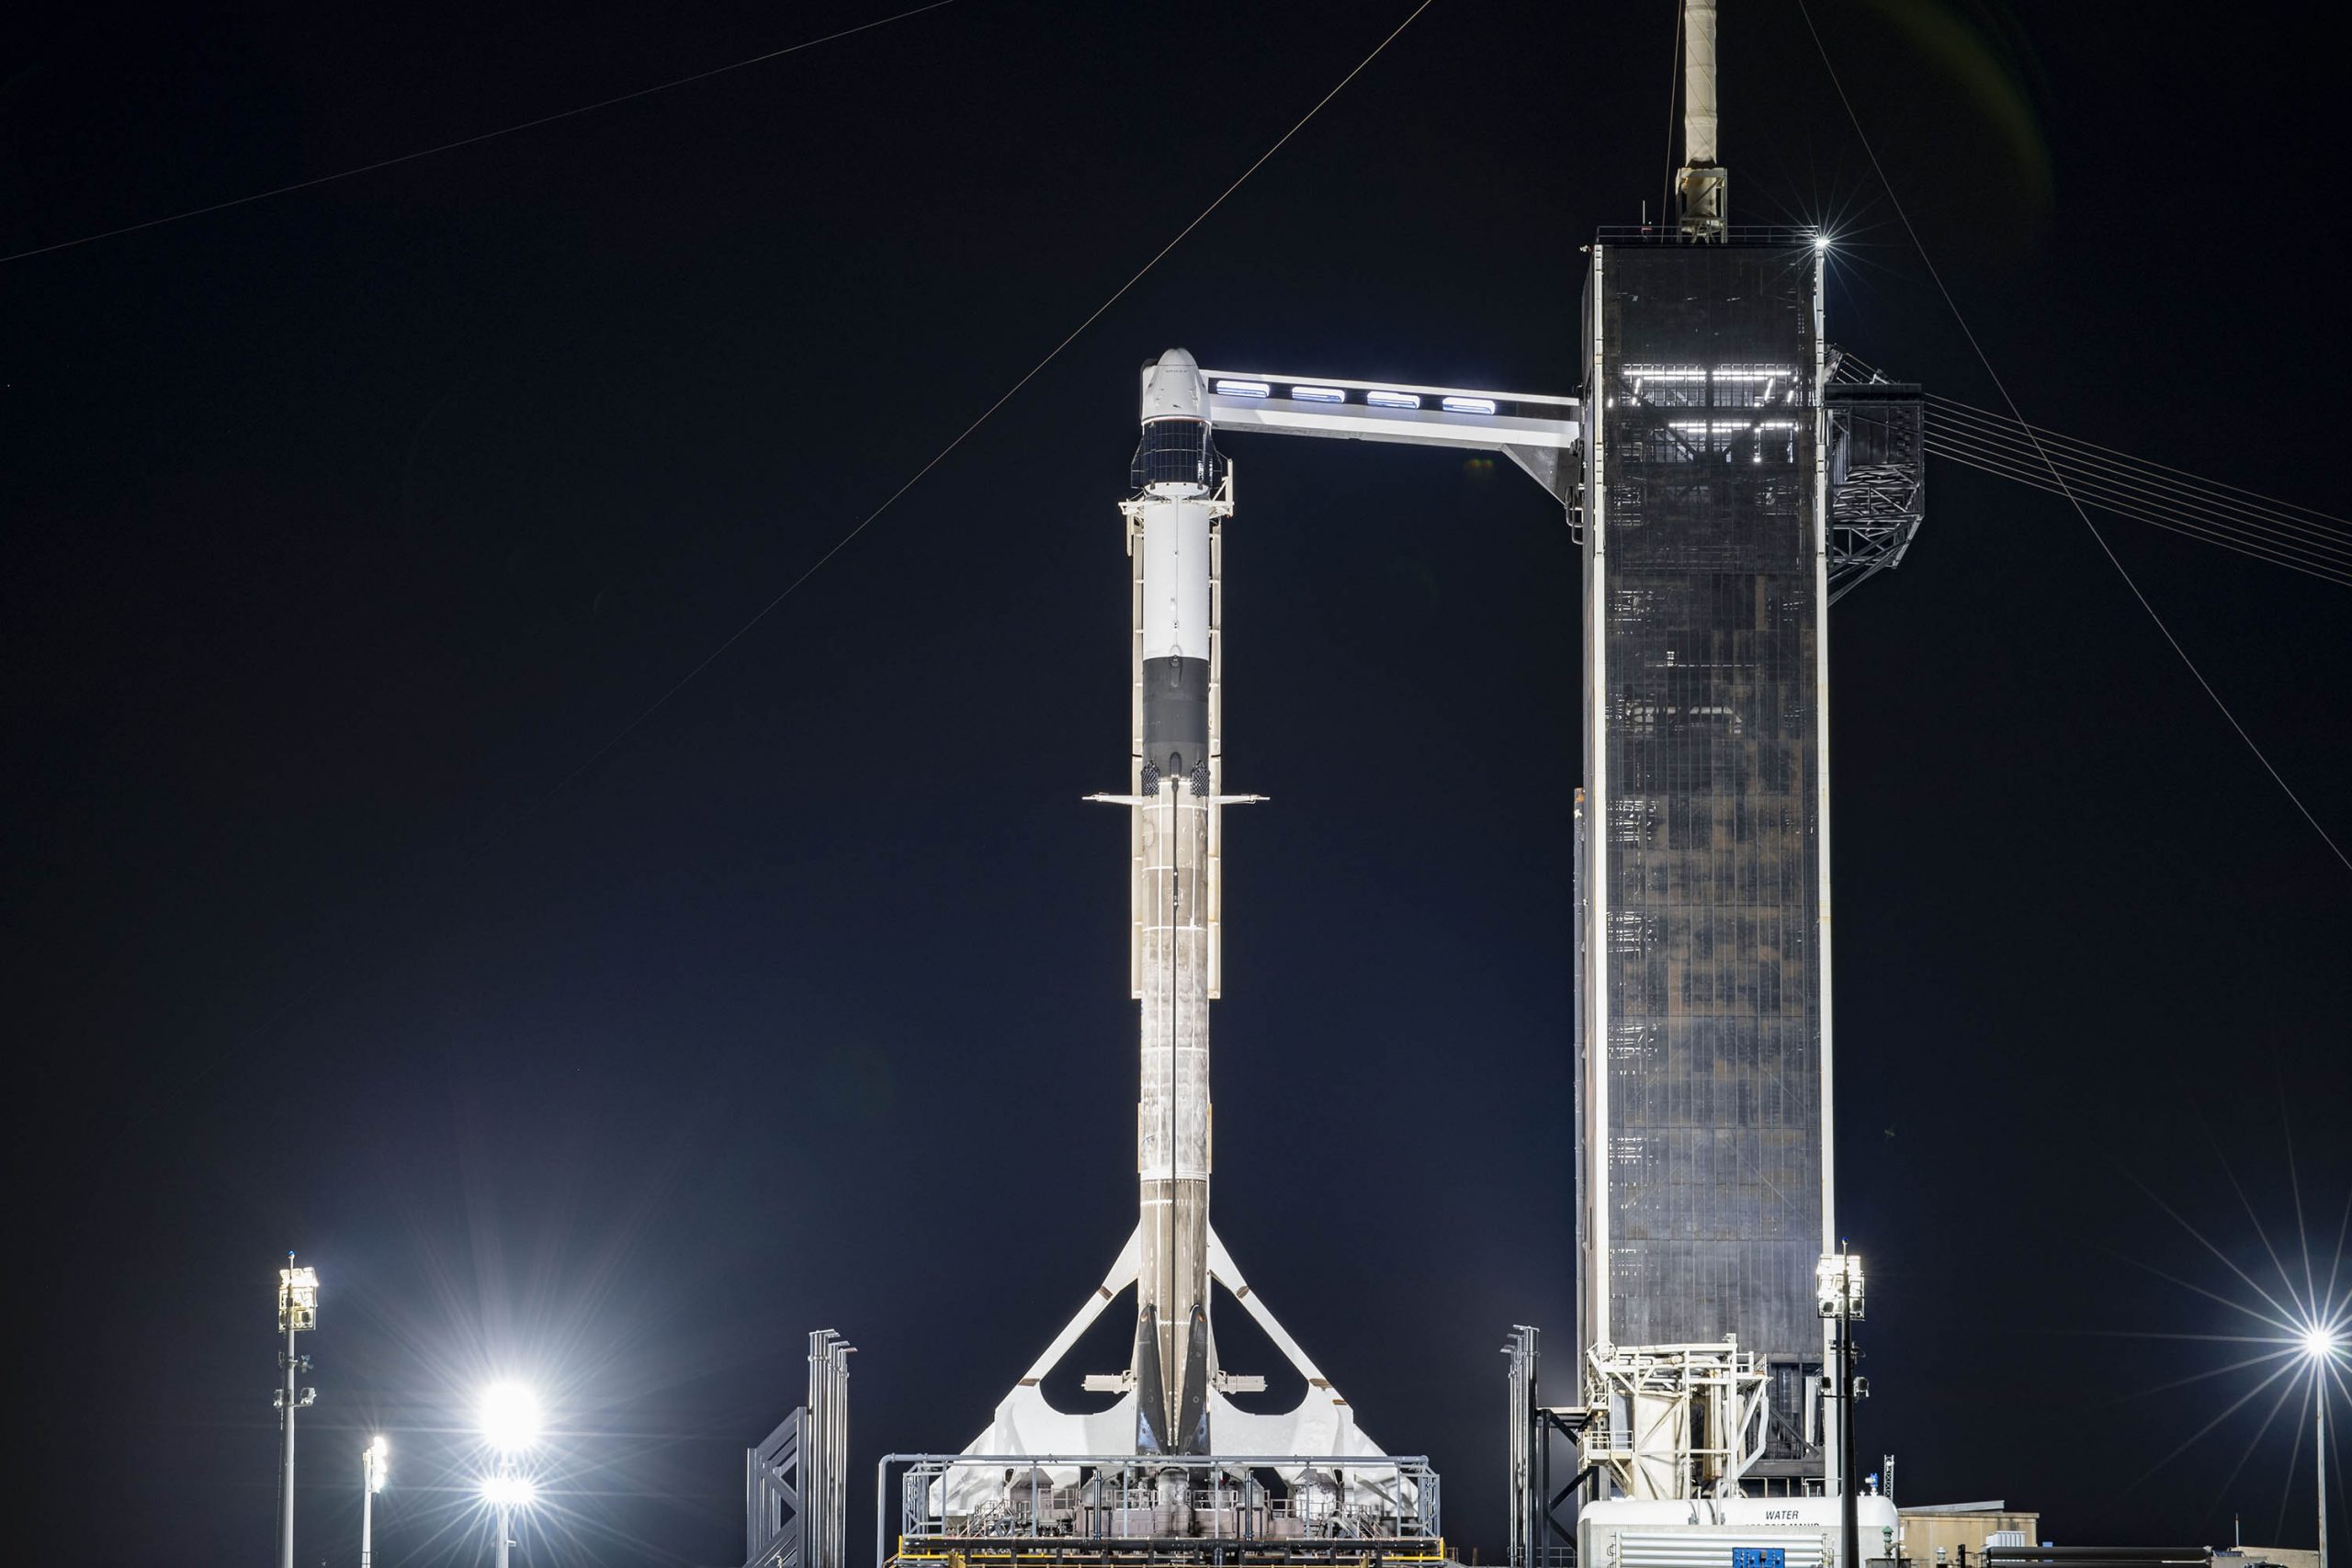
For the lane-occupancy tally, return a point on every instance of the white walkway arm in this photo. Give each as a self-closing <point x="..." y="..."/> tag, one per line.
<point x="1534" y="430"/>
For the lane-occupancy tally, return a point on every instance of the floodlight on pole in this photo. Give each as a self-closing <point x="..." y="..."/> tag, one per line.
<point x="298" y="1313"/>
<point x="510" y="1417"/>
<point x="505" y="1492"/>
<point x="375" y="1462"/>
<point x="2320" y="1343"/>
<point x="509" y="1423"/>
<point x="1838" y="1285"/>
<point x="1837" y="1290"/>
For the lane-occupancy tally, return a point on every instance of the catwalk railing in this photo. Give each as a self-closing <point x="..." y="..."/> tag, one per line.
<point x="1738" y="234"/>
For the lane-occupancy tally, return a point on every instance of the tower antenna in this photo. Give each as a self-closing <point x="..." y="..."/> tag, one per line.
<point x="1703" y="186"/>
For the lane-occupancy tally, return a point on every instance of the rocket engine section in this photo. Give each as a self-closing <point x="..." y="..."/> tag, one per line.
<point x="1173" y="527"/>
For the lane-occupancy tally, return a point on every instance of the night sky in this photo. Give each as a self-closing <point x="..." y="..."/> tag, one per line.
<point x="346" y="527"/>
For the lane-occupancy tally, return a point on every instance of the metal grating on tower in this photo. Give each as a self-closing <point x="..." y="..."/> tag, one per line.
<point x="1878" y="477"/>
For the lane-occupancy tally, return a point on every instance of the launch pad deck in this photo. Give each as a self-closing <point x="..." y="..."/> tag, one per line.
<point x="1073" y="1511"/>
<point x="1062" y="1551"/>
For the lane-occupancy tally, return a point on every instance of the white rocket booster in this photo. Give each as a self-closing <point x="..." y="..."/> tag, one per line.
<point x="1172" y="524"/>
<point x="1173" y="1392"/>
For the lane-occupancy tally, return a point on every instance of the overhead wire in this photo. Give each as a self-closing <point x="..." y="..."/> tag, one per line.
<point x="2130" y="486"/>
<point x="1961" y="426"/>
<point x="2036" y="479"/>
<point x="2227" y="508"/>
<point x="2156" y="513"/>
<point x="320" y="979"/>
<point x="1003" y="398"/>
<point x="2271" y="501"/>
<point x="2123" y="481"/>
<point x="1673" y="89"/>
<point x="2160" y="509"/>
<point x="2166" y="509"/>
<point x="473" y="140"/>
<point x="1805" y="10"/>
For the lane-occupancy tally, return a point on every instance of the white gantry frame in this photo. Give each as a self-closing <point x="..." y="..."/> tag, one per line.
<point x="1674" y="1421"/>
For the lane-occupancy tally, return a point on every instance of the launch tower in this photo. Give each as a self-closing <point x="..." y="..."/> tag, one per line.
<point x="1702" y="1037"/>
<point x="1732" y="488"/>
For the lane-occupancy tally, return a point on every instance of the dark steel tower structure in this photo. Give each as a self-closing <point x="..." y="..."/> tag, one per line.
<point x="1703" y="1023"/>
<point x="1736" y="483"/>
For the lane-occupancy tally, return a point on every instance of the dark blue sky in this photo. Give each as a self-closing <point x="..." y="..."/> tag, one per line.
<point x="346" y="525"/>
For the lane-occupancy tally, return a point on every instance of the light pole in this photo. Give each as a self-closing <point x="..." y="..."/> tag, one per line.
<point x="510" y="1422"/>
<point x="2321" y="1345"/>
<point x="1837" y="1290"/>
<point x="505" y="1492"/>
<point x="298" y="1313"/>
<point x="373" y="1459"/>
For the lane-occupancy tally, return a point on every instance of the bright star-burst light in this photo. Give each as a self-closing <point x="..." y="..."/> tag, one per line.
<point x="504" y="1491"/>
<point x="510" y="1417"/>
<point x="2296" y="1333"/>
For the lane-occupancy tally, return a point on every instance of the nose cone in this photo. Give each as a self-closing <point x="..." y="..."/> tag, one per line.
<point x="1173" y="388"/>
